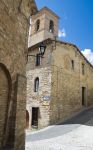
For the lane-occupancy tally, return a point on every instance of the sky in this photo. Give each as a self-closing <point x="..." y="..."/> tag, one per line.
<point x="76" y="22"/>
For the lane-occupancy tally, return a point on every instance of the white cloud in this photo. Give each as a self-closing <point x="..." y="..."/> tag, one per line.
<point x="61" y="33"/>
<point x="88" y="53"/>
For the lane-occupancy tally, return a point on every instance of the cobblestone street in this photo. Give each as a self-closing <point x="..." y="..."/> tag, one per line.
<point x="74" y="134"/>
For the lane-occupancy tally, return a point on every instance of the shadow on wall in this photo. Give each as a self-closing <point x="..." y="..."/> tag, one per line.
<point x="84" y="118"/>
<point x="5" y="97"/>
<point x="27" y="119"/>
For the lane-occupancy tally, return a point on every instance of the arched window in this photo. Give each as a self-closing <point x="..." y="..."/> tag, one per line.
<point x="51" y="26"/>
<point x="37" y="25"/>
<point x="36" y="85"/>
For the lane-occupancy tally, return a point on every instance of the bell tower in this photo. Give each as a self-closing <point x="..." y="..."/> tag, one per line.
<point x="43" y="25"/>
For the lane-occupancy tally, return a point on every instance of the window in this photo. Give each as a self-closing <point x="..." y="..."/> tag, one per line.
<point x="83" y="69"/>
<point x="37" y="25"/>
<point x="36" y="85"/>
<point x="38" y="59"/>
<point x="51" y="26"/>
<point x="72" y="63"/>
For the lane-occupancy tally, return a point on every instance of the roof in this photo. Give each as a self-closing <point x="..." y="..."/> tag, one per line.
<point x="70" y="44"/>
<point x="46" y="8"/>
<point x="47" y="41"/>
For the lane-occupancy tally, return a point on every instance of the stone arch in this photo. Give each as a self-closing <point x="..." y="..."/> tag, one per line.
<point x="27" y="119"/>
<point x="5" y="96"/>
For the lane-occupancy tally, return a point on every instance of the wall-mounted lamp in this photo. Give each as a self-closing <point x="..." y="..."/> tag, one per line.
<point x="42" y="48"/>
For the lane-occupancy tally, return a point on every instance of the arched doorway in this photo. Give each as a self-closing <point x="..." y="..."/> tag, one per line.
<point x="5" y="87"/>
<point x="27" y="119"/>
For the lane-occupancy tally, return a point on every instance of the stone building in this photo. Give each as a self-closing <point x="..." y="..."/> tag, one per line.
<point x="59" y="80"/>
<point x="14" y="25"/>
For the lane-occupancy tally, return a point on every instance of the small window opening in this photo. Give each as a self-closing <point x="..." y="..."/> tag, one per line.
<point x="83" y="69"/>
<point x="37" y="25"/>
<point x="51" y="26"/>
<point x="38" y="60"/>
<point x="72" y="63"/>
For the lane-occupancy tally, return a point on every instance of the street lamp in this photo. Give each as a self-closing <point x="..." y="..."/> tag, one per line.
<point x="42" y="48"/>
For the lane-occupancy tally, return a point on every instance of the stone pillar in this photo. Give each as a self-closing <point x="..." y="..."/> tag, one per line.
<point x="20" y="113"/>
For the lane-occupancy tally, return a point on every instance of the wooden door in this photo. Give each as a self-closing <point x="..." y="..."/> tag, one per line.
<point x="83" y="95"/>
<point x="27" y="119"/>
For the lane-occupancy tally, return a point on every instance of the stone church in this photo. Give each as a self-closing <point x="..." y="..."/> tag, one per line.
<point x="14" y="26"/>
<point x="59" y="77"/>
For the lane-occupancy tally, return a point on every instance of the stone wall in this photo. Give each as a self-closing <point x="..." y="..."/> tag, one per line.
<point x="36" y="99"/>
<point x="60" y="80"/>
<point x="67" y="83"/>
<point x="13" y="58"/>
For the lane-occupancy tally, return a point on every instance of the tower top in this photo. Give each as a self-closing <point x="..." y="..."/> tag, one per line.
<point x="44" y="9"/>
<point x="44" y="25"/>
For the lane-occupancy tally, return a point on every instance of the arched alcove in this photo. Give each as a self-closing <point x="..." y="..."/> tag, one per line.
<point x="5" y="94"/>
<point x="27" y="119"/>
<point x="67" y="62"/>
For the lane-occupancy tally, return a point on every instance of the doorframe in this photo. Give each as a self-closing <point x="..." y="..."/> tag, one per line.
<point x="33" y="126"/>
<point x="83" y="96"/>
